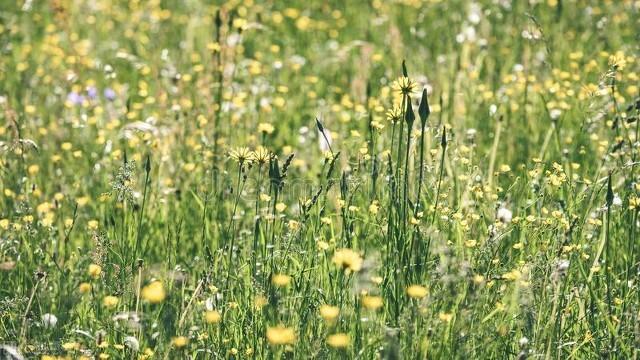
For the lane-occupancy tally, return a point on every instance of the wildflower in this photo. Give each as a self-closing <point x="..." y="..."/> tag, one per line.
<point x="445" y="317"/>
<point x="71" y="346"/>
<point x="281" y="280"/>
<point x="261" y="155"/>
<point x="84" y="287"/>
<point x="504" y="215"/>
<point x="110" y="301"/>
<point x="372" y="302"/>
<point x="180" y="341"/>
<point x="260" y="301"/>
<point x="348" y="259"/>
<point x="374" y="207"/>
<point x="92" y="224"/>
<point x="339" y="340"/>
<point x="266" y="128"/>
<point x="132" y="343"/>
<point x="154" y="292"/>
<point x="49" y="320"/>
<point x="416" y="291"/>
<point x="281" y="335"/>
<point x="212" y="317"/>
<point x="241" y="155"/>
<point x="95" y="271"/>
<point x="404" y="85"/>
<point x="329" y="313"/>
<point x="561" y="267"/>
<point x="394" y="114"/>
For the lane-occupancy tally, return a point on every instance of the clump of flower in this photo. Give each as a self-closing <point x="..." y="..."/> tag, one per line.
<point x="348" y="259"/>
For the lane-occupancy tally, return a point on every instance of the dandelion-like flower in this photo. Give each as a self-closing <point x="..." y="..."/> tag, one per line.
<point x="281" y="335"/>
<point x="154" y="292"/>
<point x="394" y="114"/>
<point x="372" y="302"/>
<point x="180" y="341"/>
<point x="417" y="291"/>
<point x="339" y="340"/>
<point x="348" y="260"/>
<point x="132" y="343"/>
<point x="329" y="313"/>
<point x="212" y="317"/>
<point x="49" y="320"/>
<point x="241" y="155"/>
<point x="404" y="85"/>
<point x="504" y="215"/>
<point x="261" y="155"/>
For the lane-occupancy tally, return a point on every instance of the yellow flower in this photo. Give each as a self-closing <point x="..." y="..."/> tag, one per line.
<point x="189" y="167"/>
<point x="180" y="341"/>
<point x="95" y="270"/>
<point x="110" y="301"/>
<point x="329" y="313"/>
<point x="470" y="243"/>
<point x="212" y="317"/>
<point x="394" y="114"/>
<point x="71" y="346"/>
<point x="404" y="85"/>
<point x="417" y="291"/>
<point x="339" y="340"/>
<point x="261" y="155"/>
<point x="92" y="224"/>
<point x="372" y="302"/>
<point x="445" y="317"/>
<point x="280" y="207"/>
<point x="281" y="335"/>
<point x="84" y="288"/>
<point x="241" y="155"/>
<point x="281" y="280"/>
<point x="259" y="302"/>
<point x="33" y="169"/>
<point x="348" y="259"/>
<point x="154" y="292"/>
<point x="266" y="128"/>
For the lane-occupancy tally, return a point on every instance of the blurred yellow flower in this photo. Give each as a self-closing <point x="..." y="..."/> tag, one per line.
<point x="154" y="292"/>
<point x="329" y="313"/>
<point x="84" y="288"/>
<point x="339" y="340"/>
<point x="110" y="301"/>
<point x="212" y="317"/>
<point x="348" y="259"/>
<point x="180" y="341"/>
<point x="281" y="280"/>
<point x="372" y="302"/>
<point x="95" y="270"/>
<point x="417" y="291"/>
<point x="281" y="335"/>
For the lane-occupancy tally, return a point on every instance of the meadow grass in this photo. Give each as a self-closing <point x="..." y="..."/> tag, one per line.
<point x="319" y="179"/>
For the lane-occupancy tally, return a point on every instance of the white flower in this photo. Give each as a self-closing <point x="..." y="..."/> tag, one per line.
<point x="504" y="215"/>
<point x="617" y="201"/>
<point x="132" y="343"/>
<point x="523" y="341"/>
<point x="49" y="320"/>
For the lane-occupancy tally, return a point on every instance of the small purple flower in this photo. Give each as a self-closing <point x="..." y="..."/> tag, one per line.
<point x="92" y="92"/>
<point x="109" y="94"/>
<point x="75" y="98"/>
